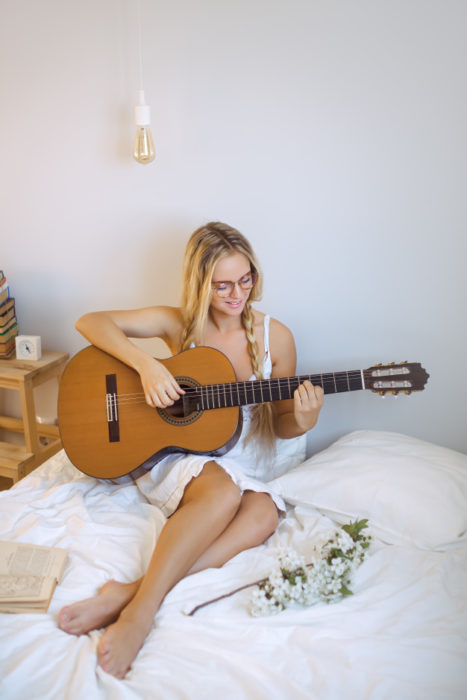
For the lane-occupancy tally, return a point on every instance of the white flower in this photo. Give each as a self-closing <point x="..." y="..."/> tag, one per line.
<point x="326" y="578"/>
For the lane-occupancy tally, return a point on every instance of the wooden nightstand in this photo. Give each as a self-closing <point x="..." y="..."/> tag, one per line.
<point x="24" y="375"/>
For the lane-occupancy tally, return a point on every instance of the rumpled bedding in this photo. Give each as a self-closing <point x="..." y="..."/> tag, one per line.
<point x="401" y="635"/>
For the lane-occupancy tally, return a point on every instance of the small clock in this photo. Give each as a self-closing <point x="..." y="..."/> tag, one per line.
<point x="28" y="347"/>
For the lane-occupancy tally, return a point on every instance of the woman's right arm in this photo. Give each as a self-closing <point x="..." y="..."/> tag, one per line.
<point x="111" y="331"/>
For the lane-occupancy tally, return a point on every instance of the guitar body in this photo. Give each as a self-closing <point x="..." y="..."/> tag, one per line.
<point x="109" y="437"/>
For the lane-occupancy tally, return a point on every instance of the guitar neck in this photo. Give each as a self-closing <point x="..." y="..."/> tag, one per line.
<point x="266" y="390"/>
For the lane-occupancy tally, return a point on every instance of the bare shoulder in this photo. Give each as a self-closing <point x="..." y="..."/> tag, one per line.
<point x="280" y="334"/>
<point x="282" y="345"/>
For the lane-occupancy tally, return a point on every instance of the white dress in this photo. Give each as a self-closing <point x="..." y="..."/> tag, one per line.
<point x="165" y="483"/>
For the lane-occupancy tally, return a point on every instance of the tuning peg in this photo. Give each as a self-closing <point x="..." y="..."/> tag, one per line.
<point x="408" y="392"/>
<point x="382" y="394"/>
<point x="395" y="394"/>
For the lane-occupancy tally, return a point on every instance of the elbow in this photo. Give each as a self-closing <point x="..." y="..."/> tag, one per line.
<point x="82" y="323"/>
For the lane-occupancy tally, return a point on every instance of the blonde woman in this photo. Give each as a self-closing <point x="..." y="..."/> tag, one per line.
<point x="218" y="507"/>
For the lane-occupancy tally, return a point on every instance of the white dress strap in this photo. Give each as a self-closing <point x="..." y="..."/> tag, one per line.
<point x="267" y="363"/>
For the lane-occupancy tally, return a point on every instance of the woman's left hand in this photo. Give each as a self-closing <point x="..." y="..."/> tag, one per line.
<point x="308" y="402"/>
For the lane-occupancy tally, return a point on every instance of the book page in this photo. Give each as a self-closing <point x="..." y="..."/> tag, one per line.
<point x="35" y="560"/>
<point x="26" y="588"/>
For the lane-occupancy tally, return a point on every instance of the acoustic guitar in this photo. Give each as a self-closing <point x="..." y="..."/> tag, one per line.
<point x="108" y="430"/>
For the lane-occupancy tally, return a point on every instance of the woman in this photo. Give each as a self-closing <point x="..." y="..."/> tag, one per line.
<point x="219" y="507"/>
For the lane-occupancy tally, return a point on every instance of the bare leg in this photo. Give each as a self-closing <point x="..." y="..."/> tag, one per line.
<point x="254" y="521"/>
<point x="209" y="503"/>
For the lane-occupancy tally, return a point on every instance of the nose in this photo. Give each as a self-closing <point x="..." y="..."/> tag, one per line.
<point x="236" y="292"/>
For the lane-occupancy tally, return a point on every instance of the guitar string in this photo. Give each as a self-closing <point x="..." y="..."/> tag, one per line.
<point x="282" y="381"/>
<point x="278" y="383"/>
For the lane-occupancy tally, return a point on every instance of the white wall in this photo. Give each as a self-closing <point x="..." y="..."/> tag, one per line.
<point x="333" y="134"/>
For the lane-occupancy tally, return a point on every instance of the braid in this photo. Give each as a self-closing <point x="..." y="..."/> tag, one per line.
<point x="253" y="350"/>
<point x="262" y="422"/>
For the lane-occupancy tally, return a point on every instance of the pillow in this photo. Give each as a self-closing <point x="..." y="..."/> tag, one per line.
<point x="411" y="491"/>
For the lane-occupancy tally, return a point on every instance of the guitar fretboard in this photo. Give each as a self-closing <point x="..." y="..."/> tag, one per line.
<point x="265" y="390"/>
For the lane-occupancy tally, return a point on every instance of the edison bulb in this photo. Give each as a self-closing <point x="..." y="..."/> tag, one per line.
<point x="144" y="145"/>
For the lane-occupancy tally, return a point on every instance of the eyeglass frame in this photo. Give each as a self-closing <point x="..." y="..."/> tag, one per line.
<point x="230" y="285"/>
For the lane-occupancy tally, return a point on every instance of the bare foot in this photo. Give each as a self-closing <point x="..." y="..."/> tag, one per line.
<point x="98" y="611"/>
<point x="121" y="642"/>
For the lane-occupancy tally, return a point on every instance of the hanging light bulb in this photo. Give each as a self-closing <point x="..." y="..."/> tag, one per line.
<point x="144" y="145"/>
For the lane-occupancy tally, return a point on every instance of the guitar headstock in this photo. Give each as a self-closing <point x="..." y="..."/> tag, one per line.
<point x="395" y="378"/>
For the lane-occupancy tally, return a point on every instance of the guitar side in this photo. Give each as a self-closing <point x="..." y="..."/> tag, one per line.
<point x="108" y="438"/>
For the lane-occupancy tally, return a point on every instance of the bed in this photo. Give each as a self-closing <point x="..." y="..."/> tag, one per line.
<point x="402" y="634"/>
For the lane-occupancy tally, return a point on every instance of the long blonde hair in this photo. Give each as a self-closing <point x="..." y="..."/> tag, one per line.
<point x="206" y="246"/>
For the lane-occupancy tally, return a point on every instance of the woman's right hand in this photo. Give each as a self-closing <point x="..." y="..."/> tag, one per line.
<point x="160" y="387"/>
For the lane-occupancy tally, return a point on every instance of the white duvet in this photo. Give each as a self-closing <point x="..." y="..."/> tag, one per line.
<point x="403" y="634"/>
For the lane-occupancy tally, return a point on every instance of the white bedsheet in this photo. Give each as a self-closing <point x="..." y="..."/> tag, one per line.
<point x="401" y="635"/>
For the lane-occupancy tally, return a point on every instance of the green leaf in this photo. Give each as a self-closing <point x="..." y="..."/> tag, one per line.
<point x="354" y="529"/>
<point x="344" y="591"/>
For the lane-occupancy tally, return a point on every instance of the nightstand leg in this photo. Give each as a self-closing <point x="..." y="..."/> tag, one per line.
<point x="29" y="417"/>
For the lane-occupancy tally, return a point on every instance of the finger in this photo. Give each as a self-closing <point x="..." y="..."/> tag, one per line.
<point x="159" y="399"/>
<point x="319" y="393"/>
<point x="310" y="392"/>
<point x="174" y="391"/>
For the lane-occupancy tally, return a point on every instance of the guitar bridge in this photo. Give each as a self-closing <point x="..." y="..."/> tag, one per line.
<point x="111" y="402"/>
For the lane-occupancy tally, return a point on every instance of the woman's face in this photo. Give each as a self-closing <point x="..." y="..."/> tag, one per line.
<point x="235" y="268"/>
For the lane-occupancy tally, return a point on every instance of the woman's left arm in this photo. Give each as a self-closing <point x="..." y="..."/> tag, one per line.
<point x="292" y="417"/>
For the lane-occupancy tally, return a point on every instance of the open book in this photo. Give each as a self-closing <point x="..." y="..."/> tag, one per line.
<point x="29" y="574"/>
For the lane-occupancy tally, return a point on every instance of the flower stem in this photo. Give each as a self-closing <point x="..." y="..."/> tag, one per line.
<point x="225" y="595"/>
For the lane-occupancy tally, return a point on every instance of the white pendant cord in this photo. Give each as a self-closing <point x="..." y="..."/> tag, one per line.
<point x="140" y="47"/>
<point x="144" y="145"/>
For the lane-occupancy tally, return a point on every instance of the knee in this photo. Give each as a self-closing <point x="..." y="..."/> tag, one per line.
<point x="220" y="493"/>
<point x="264" y="517"/>
<point x="227" y="497"/>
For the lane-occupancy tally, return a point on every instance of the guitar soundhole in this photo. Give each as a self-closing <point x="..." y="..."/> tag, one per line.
<point x="177" y="410"/>
<point x="183" y="411"/>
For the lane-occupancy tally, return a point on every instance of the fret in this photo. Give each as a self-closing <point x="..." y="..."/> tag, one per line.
<point x="270" y="389"/>
<point x="341" y="382"/>
<point x="265" y="390"/>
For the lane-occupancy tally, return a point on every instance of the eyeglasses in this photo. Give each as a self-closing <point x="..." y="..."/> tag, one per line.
<point x="225" y="289"/>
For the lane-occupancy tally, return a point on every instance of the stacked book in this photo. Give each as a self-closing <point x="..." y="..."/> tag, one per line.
<point x="8" y="324"/>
